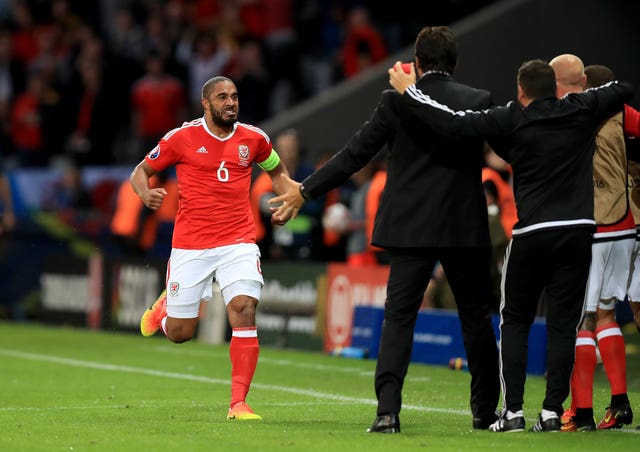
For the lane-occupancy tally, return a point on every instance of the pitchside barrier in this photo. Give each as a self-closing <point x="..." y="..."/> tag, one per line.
<point x="437" y="337"/>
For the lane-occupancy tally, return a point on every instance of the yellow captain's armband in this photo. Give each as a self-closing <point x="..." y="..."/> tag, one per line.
<point x="271" y="162"/>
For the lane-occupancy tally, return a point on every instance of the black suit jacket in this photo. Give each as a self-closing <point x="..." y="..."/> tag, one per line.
<point x="434" y="195"/>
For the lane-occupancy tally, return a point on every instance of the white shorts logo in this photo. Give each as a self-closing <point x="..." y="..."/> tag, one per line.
<point x="174" y="288"/>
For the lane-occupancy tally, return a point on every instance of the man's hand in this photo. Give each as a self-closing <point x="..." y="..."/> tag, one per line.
<point x="287" y="205"/>
<point x="153" y="197"/>
<point x="399" y="79"/>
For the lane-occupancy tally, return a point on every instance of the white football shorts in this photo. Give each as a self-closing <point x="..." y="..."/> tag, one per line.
<point x="190" y="275"/>
<point x="608" y="274"/>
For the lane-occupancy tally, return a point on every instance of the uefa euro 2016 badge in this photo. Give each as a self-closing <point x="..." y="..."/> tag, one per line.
<point x="243" y="155"/>
<point x="154" y="154"/>
<point x="174" y="288"/>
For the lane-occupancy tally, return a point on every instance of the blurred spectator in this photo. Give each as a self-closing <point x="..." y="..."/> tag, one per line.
<point x="126" y="38"/>
<point x="438" y="294"/>
<point x="70" y="201"/>
<point x="251" y="79"/>
<point x="90" y="142"/>
<point x="359" y="251"/>
<point x="67" y="193"/>
<point x="11" y="82"/>
<point x="272" y="21"/>
<point x="26" y="123"/>
<point x="210" y="56"/>
<point x="7" y="215"/>
<point x="135" y="229"/>
<point x="319" y="26"/>
<point x="158" y="103"/>
<point x="132" y="228"/>
<point x="372" y="201"/>
<point x="363" y="46"/>
<point x="497" y="179"/>
<point x="23" y="33"/>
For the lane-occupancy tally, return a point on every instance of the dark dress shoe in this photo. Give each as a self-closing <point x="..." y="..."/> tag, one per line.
<point x="385" y="423"/>
<point x="483" y="423"/>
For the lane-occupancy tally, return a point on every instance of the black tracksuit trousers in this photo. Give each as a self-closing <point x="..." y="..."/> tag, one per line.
<point x="553" y="264"/>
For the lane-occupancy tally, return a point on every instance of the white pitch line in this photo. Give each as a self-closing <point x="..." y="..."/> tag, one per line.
<point x="201" y="379"/>
<point x="178" y="376"/>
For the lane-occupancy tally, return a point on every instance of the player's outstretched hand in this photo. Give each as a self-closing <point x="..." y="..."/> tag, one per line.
<point x="153" y="197"/>
<point x="399" y="79"/>
<point x="287" y="204"/>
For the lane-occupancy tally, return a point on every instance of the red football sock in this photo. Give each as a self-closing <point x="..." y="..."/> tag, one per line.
<point x="583" y="370"/>
<point x="611" y="344"/>
<point x="243" y="351"/>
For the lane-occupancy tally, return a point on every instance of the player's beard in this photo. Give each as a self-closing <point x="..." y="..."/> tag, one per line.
<point x="218" y="120"/>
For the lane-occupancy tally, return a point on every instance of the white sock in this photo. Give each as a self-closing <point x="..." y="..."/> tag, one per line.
<point x="163" y="322"/>
<point x="546" y="415"/>
<point x="511" y="415"/>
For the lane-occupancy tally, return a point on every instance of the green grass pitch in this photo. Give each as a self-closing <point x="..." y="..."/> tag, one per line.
<point x="65" y="389"/>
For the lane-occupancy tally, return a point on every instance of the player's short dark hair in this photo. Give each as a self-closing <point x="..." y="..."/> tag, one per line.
<point x="598" y="75"/>
<point x="436" y="49"/>
<point x="207" y="88"/>
<point x="537" y="79"/>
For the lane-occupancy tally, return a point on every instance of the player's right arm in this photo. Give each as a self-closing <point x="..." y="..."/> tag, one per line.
<point x="140" y="176"/>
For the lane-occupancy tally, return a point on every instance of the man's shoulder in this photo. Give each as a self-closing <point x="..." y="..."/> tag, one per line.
<point x="450" y="90"/>
<point x="477" y="93"/>
<point x="252" y="131"/>
<point x="187" y="128"/>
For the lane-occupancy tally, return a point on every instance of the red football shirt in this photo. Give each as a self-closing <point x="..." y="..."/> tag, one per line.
<point x="214" y="177"/>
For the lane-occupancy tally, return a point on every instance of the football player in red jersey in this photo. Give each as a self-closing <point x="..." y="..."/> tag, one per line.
<point x="214" y="234"/>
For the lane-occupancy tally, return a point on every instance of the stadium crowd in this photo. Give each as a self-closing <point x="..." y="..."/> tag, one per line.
<point x="99" y="81"/>
<point x="85" y="84"/>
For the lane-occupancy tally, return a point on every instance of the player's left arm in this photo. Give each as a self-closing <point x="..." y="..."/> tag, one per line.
<point x="284" y="187"/>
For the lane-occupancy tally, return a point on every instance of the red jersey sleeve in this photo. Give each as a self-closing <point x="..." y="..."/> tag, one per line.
<point x="631" y="122"/>
<point x="165" y="153"/>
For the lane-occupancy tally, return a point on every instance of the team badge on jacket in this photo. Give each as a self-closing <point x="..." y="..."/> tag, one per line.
<point x="243" y="155"/>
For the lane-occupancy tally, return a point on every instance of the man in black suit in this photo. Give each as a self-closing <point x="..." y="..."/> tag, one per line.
<point x="432" y="209"/>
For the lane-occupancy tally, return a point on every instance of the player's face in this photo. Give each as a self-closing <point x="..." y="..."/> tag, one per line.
<point x="222" y="104"/>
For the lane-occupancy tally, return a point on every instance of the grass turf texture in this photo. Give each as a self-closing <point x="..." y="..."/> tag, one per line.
<point x="67" y="389"/>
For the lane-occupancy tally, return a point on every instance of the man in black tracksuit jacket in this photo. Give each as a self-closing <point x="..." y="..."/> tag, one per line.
<point x="549" y="143"/>
<point x="432" y="209"/>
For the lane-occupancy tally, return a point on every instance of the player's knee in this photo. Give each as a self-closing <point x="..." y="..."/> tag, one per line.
<point x="588" y="322"/>
<point x="243" y="308"/>
<point x="178" y="337"/>
<point x="179" y="332"/>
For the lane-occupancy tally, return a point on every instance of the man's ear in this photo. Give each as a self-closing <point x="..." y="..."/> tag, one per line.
<point x="522" y="97"/>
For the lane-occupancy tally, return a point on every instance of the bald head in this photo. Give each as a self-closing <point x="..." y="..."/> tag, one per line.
<point x="570" y="77"/>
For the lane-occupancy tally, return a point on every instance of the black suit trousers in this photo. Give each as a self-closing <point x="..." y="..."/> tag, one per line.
<point x="468" y="273"/>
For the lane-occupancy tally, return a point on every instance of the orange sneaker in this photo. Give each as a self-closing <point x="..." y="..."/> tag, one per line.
<point x="566" y="416"/>
<point x="573" y="425"/>
<point x="242" y="412"/>
<point x="151" y="320"/>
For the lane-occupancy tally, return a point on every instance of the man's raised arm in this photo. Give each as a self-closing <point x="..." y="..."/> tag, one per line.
<point x="493" y="122"/>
